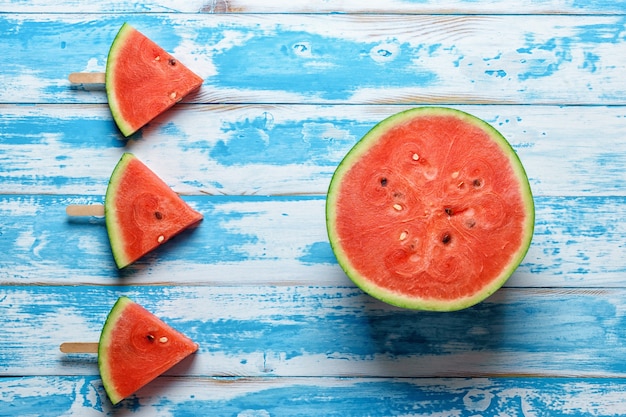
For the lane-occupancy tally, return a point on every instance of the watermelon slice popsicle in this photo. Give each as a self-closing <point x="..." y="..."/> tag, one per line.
<point x="142" y="80"/>
<point x="135" y="347"/>
<point x="141" y="211"/>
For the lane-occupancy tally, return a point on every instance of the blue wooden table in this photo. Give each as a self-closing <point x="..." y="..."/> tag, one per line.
<point x="289" y="87"/>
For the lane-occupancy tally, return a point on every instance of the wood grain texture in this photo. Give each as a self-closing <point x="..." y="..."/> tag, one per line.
<point x="279" y="241"/>
<point x="341" y="397"/>
<point x="320" y="6"/>
<point x="328" y="331"/>
<point x="220" y="149"/>
<point x="289" y="88"/>
<point x="299" y="58"/>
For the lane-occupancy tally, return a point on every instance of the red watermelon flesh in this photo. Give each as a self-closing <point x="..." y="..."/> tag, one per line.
<point x="142" y="211"/>
<point x="431" y="210"/>
<point x="135" y="347"/>
<point x="143" y="80"/>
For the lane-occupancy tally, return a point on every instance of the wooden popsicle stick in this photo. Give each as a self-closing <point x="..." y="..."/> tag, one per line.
<point x="79" y="347"/>
<point x="87" y="78"/>
<point x="85" y="210"/>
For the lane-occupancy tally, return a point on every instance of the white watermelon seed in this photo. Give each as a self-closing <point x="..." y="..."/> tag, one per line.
<point x="160" y="239"/>
<point x="397" y="207"/>
<point x="163" y="339"/>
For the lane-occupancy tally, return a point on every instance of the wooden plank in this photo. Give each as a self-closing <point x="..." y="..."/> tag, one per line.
<point x="328" y="331"/>
<point x="300" y="58"/>
<point x="289" y="88"/>
<point x="279" y="241"/>
<point x="221" y="149"/>
<point x="321" y="6"/>
<point x="84" y="396"/>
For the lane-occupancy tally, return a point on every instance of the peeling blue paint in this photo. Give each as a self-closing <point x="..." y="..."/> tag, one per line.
<point x="173" y="129"/>
<point x="346" y="397"/>
<point x="326" y="62"/>
<point x="562" y="312"/>
<point x="68" y="130"/>
<point x="496" y="73"/>
<point x="561" y="223"/>
<point x="318" y="252"/>
<point x="365" y="329"/>
<point x="302" y="64"/>
<point x="58" y="404"/>
<point x="262" y="140"/>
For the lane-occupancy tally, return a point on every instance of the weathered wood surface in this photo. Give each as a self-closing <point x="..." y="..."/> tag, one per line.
<point x="245" y="397"/>
<point x="301" y="58"/>
<point x="329" y="331"/>
<point x="280" y="241"/>
<point x="289" y="88"/>
<point x="322" y="6"/>
<point x="218" y="149"/>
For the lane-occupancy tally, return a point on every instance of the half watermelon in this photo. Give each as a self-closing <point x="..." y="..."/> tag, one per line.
<point x="142" y="80"/>
<point x="431" y="210"/>
<point x="141" y="211"/>
<point x="135" y="347"/>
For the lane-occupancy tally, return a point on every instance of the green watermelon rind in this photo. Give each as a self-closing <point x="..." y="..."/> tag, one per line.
<point x="110" y="214"/>
<point x="395" y="298"/>
<point x="117" y="45"/>
<point x="103" y="347"/>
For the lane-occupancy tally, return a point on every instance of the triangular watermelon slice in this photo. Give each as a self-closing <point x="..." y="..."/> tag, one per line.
<point x="142" y="211"/>
<point x="135" y="347"/>
<point x="143" y="80"/>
